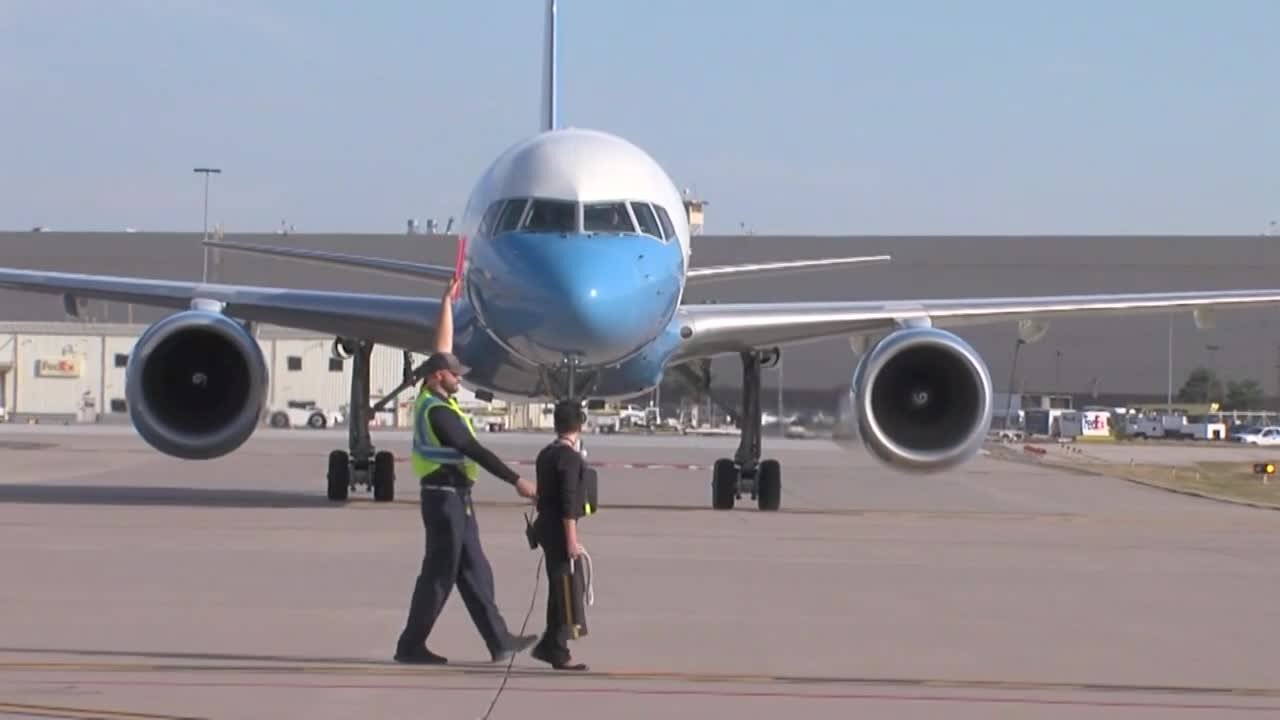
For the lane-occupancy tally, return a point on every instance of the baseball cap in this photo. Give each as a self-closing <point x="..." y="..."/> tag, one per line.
<point x="445" y="361"/>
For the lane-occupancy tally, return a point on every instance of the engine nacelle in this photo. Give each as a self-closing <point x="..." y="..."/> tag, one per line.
<point x="196" y="384"/>
<point x="920" y="399"/>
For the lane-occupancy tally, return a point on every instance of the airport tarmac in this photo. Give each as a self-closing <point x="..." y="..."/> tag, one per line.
<point x="142" y="586"/>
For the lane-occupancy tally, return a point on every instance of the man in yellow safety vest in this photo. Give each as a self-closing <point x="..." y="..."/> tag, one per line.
<point x="446" y="460"/>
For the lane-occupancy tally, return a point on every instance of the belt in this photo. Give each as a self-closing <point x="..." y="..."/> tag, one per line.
<point x="445" y="488"/>
<point x="464" y="494"/>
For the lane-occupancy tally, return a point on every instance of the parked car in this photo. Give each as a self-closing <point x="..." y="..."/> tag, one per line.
<point x="1239" y="431"/>
<point x="304" y="415"/>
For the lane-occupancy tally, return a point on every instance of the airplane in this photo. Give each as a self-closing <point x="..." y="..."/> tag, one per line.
<point x="575" y="260"/>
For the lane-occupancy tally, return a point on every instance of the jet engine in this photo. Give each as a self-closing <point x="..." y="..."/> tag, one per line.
<point x="920" y="399"/>
<point x="196" y="383"/>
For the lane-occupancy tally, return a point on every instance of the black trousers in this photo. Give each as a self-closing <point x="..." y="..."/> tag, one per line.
<point x="453" y="555"/>
<point x="564" y="591"/>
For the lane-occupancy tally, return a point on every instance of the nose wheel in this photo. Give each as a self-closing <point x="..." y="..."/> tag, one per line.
<point x="746" y="474"/>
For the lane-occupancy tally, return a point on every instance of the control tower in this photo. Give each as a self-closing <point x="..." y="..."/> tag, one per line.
<point x="693" y="210"/>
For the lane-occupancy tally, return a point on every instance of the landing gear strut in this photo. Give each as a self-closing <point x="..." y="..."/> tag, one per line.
<point x="361" y="464"/>
<point x="745" y="473"/>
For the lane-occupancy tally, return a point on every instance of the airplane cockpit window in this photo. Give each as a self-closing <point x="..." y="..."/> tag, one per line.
<point x="490" y="218"/>
<point x="510" y="218"/>
<point x="607" y="218"/>
<point x="552" y="216"/>
<point x="648" y="221"/>
<point x="666" y="221"/>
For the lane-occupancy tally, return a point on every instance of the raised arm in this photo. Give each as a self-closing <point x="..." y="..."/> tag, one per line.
<point x="444" y="324"/>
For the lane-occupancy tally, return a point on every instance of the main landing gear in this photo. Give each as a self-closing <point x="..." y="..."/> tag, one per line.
<point x="362" y="464"/>
<point x="745" y="473"/>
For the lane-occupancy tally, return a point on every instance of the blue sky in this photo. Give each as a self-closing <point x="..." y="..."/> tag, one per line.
<point x="830" y="117"/>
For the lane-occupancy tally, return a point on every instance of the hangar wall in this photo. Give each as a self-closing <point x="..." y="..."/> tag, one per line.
<point x="75" y="372"/>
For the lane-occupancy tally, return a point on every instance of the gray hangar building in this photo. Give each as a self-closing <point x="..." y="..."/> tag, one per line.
<point x="1108" y="360"/>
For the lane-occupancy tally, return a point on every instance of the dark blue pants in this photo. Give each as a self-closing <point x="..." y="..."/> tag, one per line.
<point x="453" y="555"/>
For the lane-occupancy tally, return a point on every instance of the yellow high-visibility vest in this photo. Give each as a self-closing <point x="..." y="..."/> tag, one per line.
<point x="428" y="454"/>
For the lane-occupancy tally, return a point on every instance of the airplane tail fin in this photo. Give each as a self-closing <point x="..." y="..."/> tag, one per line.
<point x="550" y="109"/>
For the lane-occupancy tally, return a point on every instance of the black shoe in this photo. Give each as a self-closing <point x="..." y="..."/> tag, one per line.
<point x="421" y="656"/>
<point x="538" y="653"/>
<point x="514" y="645"/>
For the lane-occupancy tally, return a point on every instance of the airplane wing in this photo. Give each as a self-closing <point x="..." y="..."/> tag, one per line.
<point x="724" y="272"/>
<point x="398" y="321"/>
<point x="713" y="329"/>
<point x="385" y="266"/>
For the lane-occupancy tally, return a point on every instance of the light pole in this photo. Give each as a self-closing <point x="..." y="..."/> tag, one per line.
<point x="1213" y="370"/>
<point x="781" y="424"/>
<point x="204" y="272"/>
<point x="1013" y="371"/>
<point x="1168" y="398"/>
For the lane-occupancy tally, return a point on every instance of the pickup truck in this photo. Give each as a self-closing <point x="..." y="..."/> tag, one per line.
<point x="1269" y="435"/>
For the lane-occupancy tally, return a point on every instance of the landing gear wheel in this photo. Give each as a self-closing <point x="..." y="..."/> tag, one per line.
<point x="339" y="475"/>
<point x="745" y="473"/>
<point x="769" y="485"/>
<point x="384" y="477"/>
<point x="724" y="484"/>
